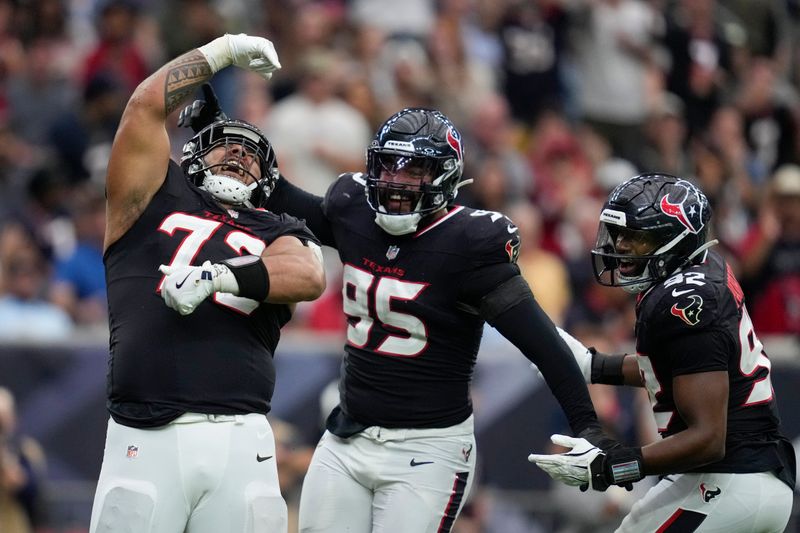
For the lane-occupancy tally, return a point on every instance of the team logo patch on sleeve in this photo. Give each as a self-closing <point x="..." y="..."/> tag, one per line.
<point x="512" y="249"/>
<point x="689" y="313"/>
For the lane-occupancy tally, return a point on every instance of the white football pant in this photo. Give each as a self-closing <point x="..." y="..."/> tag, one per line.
<point x="712" y="503"/>
<point x="197" y="474"/>
<point x="389" y="481"/>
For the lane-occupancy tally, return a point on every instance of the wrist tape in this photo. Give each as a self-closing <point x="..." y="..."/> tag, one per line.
<point x="217" y="53"/>
<point x="617" y="466"/>
<point x="251" y="275"/>
<point x="607" y="369"/>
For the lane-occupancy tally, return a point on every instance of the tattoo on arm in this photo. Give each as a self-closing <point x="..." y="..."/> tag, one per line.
<point x="184" y="75"/>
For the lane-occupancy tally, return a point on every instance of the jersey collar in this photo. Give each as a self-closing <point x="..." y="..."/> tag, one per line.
<point x="453" y="210"/>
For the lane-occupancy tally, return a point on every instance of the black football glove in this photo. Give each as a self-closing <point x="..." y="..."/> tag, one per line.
<point x="620" y="466"/>
<point x="202" y="113"/>
<point x="616" y="465"/>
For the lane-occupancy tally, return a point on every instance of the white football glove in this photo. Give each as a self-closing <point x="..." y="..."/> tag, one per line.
<point x="580" y="352"/>
<point x="185" y="287"/>
<point x="245" y="51"/>
<point x="572" y="467"/>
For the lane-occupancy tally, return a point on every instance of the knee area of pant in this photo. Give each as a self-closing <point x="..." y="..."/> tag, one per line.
<point x="266" y="509"/>
<point x="127" y="508"/>
<point x="265" y="513"/>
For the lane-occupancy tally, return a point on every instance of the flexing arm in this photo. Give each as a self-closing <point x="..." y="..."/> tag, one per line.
<point x="287" y="272"/>
<point x="295" y="270"/>
<point x="140" y="153"/>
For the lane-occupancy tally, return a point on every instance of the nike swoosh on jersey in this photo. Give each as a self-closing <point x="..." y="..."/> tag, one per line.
<point x="179" y="285"/>
<point x="262" y="459"/>
<point x="415" y="463"/>
<point x="676" y="292"/>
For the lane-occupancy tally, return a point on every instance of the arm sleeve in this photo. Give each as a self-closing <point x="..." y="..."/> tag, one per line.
<point x="529" y="328"/>
<point x="288" y="198"/>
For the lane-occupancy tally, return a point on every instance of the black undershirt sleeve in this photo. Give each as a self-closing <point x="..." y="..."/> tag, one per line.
<point x="288" y="198"/>
<point x="523" y="322"/>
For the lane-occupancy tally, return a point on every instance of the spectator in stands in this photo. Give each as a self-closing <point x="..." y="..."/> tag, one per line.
<point x="22" y="471"/>
<point x="82" y="135"/>
<point x="25" y="314"/>
<point x="665" y="138"/>
<point x="317" y="135"/>
<point x="770" y="257"/>
<point x="615" y="47"/>
<point x="116" y="52"/>
<point x="79" y="281"/>
<point x="770" y="122"/>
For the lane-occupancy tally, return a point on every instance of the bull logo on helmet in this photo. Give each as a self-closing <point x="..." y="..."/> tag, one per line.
<point x="454" y="140"/>
<point x="688" y="211"/>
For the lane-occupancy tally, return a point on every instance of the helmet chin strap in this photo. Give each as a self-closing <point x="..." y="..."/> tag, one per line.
<point x="631" y="285"/>
<point x="228" y="190"/>
<point x="397" y="224"/>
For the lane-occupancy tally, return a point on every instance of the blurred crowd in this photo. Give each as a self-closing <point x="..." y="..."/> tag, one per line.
<point x="557" y="100"/>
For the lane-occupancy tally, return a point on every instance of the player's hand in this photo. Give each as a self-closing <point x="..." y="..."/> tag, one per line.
<point x="202" y="113"/>
<point x="580" y="352"/>
<point x="185" y="287"/>
<point x="572" y="467"/>
<point x="256" y="54"/>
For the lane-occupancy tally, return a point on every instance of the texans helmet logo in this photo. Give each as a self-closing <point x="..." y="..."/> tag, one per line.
<point x="691" y="215"/>
<point x="708" y="493"/>
<point x="454" y="140"/>
<point x="691" y="312"/>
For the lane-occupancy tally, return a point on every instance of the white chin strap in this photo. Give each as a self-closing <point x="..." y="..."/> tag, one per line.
<point x="635" y="288"/>
<point x="397" y="224"/>
<point x="228" y="190"/>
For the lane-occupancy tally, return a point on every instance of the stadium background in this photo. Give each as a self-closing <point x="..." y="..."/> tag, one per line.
<point x="557" y="101"/>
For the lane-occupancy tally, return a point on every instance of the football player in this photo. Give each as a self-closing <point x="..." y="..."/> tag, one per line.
<point x="421" y="276"/>
<point x="723" y="461"/>
<point x="189" y="448"/>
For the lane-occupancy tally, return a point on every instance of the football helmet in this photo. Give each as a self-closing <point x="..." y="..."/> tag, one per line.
<point x="421" y="142"/>
<point x="225" y="188"/>
<point x="663" y="220"/>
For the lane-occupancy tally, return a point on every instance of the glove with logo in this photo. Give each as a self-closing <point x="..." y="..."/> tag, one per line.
<point x="245" y="51"/>
<point x="202" y="113"/>
<point x="572" y="467"/>
<point x="586" y="465"/>
<point x="185" y="287"/>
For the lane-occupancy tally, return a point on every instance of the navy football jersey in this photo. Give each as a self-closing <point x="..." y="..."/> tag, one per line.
<point x="696" y="321"/>
<point x="413" y="331"/>
<point x="217" y="360"/>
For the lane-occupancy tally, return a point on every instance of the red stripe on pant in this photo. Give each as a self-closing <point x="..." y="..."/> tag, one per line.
<point x="451" y="510"/>
<point x="682" y="521"/>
